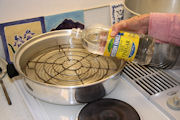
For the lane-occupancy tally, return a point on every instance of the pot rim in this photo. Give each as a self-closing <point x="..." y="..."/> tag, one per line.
<point x="17" y="66"/>
<point x="135" y="13"/>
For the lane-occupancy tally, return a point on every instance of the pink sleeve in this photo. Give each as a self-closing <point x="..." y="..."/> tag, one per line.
<point x="165" y="27"/>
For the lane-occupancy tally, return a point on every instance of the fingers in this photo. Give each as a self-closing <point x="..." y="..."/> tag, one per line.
<point x="137" y="24"/>
<point x="117" y="27"/>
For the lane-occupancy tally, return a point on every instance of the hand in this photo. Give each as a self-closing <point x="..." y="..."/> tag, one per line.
<point x="137" y="24"/>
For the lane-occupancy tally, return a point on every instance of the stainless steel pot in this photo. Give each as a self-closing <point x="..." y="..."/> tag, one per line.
<point x="57" y="69"/>
<point x="137" y="7"/>
<point x="165" y="55"/>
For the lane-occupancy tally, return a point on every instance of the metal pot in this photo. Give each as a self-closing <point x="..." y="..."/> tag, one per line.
<point x="57" y="69"/>
<point x="137" y="7"/>
<point x="165" y="55"/>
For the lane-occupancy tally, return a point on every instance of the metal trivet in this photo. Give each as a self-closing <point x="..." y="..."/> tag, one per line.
<point x="64" y="65"/>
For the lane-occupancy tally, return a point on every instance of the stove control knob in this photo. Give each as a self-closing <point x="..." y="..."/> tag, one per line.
<point x="174" y="101"/>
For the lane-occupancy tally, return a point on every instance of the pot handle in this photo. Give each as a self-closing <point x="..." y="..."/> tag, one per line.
<point x="11" y="70"/>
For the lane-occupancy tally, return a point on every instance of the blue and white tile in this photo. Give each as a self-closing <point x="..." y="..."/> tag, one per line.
<point x="65" y="21"/>
<point x="15" y="33"/>
<point x="117" y="11"/>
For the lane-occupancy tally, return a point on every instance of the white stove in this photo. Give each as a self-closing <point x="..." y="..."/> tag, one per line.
<point x="149" y="106"/>
<point x="26" y="107"/>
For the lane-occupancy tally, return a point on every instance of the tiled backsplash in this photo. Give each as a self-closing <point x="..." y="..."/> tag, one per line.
<point x="14" y="34"/>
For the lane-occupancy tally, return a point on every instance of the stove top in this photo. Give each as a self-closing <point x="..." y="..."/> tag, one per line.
<point x="124" y="91"/>
<point x="148" y="108"/>
<point x="158" y="86"/>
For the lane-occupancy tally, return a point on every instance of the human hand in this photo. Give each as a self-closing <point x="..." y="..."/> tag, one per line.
<point x="137" y="24"/>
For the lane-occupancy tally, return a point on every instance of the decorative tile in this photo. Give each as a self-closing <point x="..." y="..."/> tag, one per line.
<point x="116" y="12"/>
<point x="14" y="34"/>
<point x="65" y="21"/>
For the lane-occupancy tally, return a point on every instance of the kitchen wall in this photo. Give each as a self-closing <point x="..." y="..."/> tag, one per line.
<point x="95" y="11"/>
<point x="11" y="10"/>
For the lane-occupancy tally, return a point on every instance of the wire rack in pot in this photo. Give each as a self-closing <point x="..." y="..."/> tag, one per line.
<point x="69" y="66"/>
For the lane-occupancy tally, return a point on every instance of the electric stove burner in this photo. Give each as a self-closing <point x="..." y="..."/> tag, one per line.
<point x="108" y="109"/>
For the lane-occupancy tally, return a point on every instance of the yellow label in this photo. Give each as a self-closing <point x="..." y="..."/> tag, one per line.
<point x="123" y="46"/>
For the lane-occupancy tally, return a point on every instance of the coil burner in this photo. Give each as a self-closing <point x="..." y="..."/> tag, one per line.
<point x="68" y="66"/>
